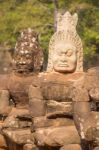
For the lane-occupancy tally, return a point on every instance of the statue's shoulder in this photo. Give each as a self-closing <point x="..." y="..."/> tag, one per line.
<point x="43" y="78"/>
<point x="4" y="78"/>
<point x="80" y="92"/>
<point x="92" y="82"/>
<point x="92" y="78"/>
<point x="38" y="79"/>
<point x="58" y="77"/>
<point x="94" y="71"/>
<point x="88" y="85"/>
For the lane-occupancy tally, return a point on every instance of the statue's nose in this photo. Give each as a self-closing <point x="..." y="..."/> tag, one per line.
<point x="63" y="58"/>
<point x="22" y="62"/>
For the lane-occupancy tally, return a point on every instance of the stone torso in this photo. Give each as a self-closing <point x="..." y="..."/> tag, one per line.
<point x="18" y="88"/>
<point x="58" y="86"/>
<point x="56" y="90"/>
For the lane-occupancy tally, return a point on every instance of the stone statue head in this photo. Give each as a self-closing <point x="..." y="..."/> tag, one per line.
<point x="28" y="54"/>
<point x="65" y="48"/>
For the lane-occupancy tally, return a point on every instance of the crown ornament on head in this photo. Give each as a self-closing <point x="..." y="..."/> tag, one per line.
<point x="28" y="40"/>
<point x="66" y="21"/>
<point x="66" y="32"/>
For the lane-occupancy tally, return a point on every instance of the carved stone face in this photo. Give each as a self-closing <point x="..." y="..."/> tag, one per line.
<point x="24" y="61"/>
<point x="65" y="58"/>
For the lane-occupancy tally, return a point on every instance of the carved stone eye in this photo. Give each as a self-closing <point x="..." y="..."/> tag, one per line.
<point x="69" y="53"/>
<point x="28" y="56"/>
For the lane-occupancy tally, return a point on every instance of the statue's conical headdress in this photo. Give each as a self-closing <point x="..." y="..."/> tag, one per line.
<point x="66" y="31"/>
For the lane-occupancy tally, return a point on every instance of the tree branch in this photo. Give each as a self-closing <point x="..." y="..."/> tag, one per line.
<point x="56" y="6"/>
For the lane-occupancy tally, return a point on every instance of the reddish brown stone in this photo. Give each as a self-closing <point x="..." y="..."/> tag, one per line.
<point x="71" y="147"/>
<point x="96" y="148"/>
<point x="40" y="122"/>
<point x="3" y="143"/>
<point x="19" y="136"/>
<point x="57" y="136"/>
<point x="30" y="147"/>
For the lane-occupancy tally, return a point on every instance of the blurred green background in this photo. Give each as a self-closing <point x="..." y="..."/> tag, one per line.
<point x="16" y="15"/>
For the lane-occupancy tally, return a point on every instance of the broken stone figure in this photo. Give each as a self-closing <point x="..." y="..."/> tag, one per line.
<point x="14" y="87"/>
<point x="86" y="107"/>
<point x="50" y="95"/>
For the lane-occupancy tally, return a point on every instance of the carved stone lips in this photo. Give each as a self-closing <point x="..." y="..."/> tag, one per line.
<point x="63" y="65"/>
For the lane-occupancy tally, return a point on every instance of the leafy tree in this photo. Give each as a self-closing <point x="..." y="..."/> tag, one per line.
<point x="40" y="15"/>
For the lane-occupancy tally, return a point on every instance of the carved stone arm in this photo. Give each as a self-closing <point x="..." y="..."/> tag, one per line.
<point x="37" y="105"/>
<point x="81" y="113"/>
<point x="4" y="103"/>
<point x="86" y="121"/>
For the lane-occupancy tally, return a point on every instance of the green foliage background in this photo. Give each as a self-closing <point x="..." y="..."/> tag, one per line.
<point x="39" y="14"/>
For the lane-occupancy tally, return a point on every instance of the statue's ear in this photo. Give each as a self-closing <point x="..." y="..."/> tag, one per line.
<point x="75" y="18"/>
